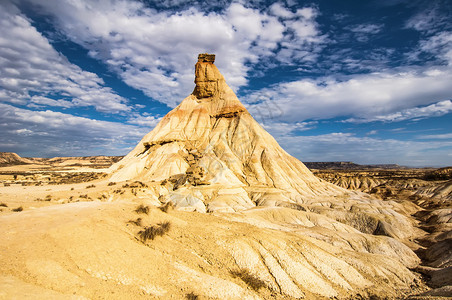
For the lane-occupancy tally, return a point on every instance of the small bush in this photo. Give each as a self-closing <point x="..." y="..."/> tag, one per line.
<point x="251" y="280"/>
<point x="6" y="184"/>
<point x="191" y="296"/>
<point x="20" y="208"/>
<point x="90" y="186"/>
<point x="72" y="189"/>
<point x="167" y="206"/>
<point x="137" y="222"/>
<point x="3" y="204"/>
<point x="111" y="183"/>
<point x="149" y="233"/>
<point x="138" y="184"/>
<point x="142" y="209"/>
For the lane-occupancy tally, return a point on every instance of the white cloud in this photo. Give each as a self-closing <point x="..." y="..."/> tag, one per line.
<point x="362" y="96"/>
<point x="144" y="120"/>
<point x="364" y="32"/>
<point x="440" y="45"/>
<point x="366" y="150"/>
<point x="433" y="23"/>
<point x="29" y="65"/>
<point x="282" y="128"/>
<point x="433" y="110"/>
<point x="430" y="19"/>
<point x="366" y="28"/>
<point x="54" y="133"/>
<point x="445" y="136"/>
<point x="39" y="101"/>
<point x="155" y="51"/>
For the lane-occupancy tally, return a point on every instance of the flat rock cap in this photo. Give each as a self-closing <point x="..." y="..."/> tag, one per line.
<point x="206" y="57"/>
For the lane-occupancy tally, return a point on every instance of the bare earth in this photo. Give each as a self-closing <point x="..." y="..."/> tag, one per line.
<point x="209" y="206"/>
<point x="77" y="241"/>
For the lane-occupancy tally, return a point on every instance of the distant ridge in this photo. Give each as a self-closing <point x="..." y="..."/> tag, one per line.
<point x="11" y="158"/>
<point x="348" y="165"/>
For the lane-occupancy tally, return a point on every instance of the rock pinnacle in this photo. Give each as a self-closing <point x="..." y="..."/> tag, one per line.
<point x="208" y="78"/>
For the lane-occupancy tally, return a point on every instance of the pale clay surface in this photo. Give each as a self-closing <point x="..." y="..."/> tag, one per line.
<point x="296" y="235"/>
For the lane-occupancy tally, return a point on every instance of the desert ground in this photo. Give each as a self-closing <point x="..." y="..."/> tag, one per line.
<point x="67" y="232"/>
<point x="209" y="206"/>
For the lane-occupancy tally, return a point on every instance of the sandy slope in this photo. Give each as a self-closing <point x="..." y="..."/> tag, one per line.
<point x="89" y="249"/>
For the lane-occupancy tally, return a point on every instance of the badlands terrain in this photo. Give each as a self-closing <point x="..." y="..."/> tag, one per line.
<point x="209" y="206"/>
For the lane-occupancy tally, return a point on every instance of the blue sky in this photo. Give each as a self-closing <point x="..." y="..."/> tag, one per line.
<point x="363" y="81"/>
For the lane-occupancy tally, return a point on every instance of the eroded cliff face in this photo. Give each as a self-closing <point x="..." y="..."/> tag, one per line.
<point x="210" y="146"/>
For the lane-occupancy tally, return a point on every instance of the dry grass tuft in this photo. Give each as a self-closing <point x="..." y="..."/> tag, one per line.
<point x="251" y="280"/>
<point x="191" y="296"/>
<point x="149" y="233"/>
<point x="137" y="222"/>
<point x="142" y="209"/>
<point x="20" y="208"/>
<point x="167" y="206"/>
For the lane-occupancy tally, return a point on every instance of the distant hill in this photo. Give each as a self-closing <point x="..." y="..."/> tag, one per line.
<point x="10" y="158"/>
<point x="440" y="174"/>
<point x="348" y="165"/>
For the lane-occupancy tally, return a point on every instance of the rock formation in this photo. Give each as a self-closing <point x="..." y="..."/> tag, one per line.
<point x="10" y="158"/>
<point x="210" y="149"/>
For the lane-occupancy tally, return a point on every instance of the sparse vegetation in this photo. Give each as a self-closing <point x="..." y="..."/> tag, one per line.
<point x="137" y="222"/>
<point x="138" y="184"/>
<point x="119" y="191"/>
<point x="142" y="209"/>
<point x="20" y="208"/>
<point x="191" y="296"/>
<point x="251" y="280"/>
<point x="111" y="183"/>
<point x="90" y="186"/>
<point x="149" y="233"/>
<point x="167" y="206"/>
<point x="3" y="204"/>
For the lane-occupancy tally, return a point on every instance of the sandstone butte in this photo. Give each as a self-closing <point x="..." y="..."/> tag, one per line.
<point x="213" y="156"/>
<point x="251" y="221"/>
